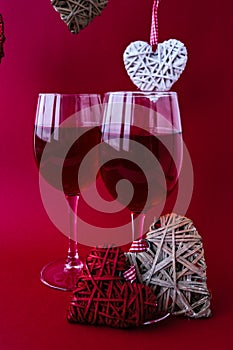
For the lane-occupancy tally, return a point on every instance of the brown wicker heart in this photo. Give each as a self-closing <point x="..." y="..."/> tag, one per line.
<point x="77" y="14"/>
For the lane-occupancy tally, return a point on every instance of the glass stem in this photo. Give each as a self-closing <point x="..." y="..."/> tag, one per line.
<point x="137" y="225"/>
<point x="73" y="260"/>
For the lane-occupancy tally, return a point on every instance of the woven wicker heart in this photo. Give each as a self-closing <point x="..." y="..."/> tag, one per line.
<point x="158" y="70"/>
<point x="103" y="297"/>
<point x="2" y="37"/>
<point x="174" y="267"/>
<point x="77" y="14"/>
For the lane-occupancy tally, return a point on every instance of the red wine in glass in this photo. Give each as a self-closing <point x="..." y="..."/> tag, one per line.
<point x="86" y="139"/>
<point x="143" y="144"/>
<point x="67" y="127"/>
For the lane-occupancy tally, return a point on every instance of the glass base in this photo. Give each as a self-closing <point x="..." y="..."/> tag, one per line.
<point x="59" y="275"/>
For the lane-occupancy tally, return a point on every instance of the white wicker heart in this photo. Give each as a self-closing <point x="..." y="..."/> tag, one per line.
<point x="158" y="70"/>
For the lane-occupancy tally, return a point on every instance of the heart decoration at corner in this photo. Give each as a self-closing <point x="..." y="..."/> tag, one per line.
<point x="77" y="14"/>
<point x="2" y="37"/>
<point x="159" y="70"/>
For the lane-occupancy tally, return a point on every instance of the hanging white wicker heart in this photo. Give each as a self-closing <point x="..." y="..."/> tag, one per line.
<point x="158" y="70"/>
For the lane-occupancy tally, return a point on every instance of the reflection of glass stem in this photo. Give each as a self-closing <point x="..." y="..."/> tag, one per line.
<point x="73" y="260"/>
<point x="137" y="225"/>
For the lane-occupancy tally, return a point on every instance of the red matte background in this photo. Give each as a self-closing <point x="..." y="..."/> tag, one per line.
<point x="41" y="55"/>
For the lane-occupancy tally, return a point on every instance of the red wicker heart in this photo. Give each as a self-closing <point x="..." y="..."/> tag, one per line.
<point x="77" y="14"/>
<point x="2" y="37"/>
<point x="103" y="297"/>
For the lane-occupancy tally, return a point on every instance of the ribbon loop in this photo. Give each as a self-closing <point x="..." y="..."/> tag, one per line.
<point x="130" y="274"/>
<point x="139" y="246"/>
<point x="154" y="36"/>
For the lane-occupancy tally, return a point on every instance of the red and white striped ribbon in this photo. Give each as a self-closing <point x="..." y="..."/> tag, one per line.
<point x="130" y="274"/>
<point x="154" y="36"/>
<point x="139" y="246"/>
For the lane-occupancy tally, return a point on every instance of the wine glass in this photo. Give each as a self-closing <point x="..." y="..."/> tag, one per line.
<point x="67" y="127"/>
<point x="142" y="154"/>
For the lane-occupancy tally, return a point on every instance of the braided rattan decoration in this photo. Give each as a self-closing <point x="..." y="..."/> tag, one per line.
<point x="158" y="70"/>
<point x="174" y="267"/>
<point x="2" y="37"/>
<point x="77" y="14"/>
<point x="103" y="297"/>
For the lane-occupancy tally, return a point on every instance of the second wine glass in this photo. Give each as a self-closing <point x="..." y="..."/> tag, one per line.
<point x="142" y="151"/>
<point x="67" y="127"/>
